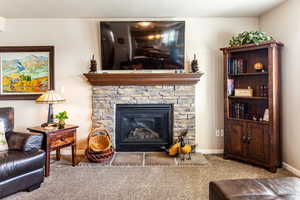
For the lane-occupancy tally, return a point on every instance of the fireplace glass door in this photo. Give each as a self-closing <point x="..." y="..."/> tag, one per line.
<point x="143" y="127"/>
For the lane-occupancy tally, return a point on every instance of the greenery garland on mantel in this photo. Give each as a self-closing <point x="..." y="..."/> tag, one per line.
<point x="251" y="37"/>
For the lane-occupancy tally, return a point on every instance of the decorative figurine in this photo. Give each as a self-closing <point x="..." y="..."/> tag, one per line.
<point x="180" y="148"/>
<point x="184" y="149"/>
<point x="194" y="65"/>
<point x="93" y="67"/>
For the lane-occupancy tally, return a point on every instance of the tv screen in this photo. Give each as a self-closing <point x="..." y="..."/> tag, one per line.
<point x="142" y="45"/>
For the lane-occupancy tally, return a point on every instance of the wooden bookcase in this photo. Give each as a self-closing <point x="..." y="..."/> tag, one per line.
<point x="246" y="136"/>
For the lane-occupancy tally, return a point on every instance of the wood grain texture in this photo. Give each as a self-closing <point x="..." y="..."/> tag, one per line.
<point x="252" y="46"/>
<point x="56" y="139"/>
<point x="102" y="79"/>
<point x="244" y="139"/>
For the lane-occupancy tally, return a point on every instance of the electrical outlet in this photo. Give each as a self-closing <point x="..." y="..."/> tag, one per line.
<point x="222" y="132"/>
<point x="218" y="132"/>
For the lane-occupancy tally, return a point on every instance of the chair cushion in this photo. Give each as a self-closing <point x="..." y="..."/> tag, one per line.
<point x="276" y="188"/>
<point x="7" y="116"/>
<point x="15" y="163"/>
<point x="24" y="141"/>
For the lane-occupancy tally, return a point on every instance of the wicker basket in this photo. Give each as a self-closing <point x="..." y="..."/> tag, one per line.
<point x="99" y="157"/>
<point x="100" y="147"/>
<point x="99" y="140"/>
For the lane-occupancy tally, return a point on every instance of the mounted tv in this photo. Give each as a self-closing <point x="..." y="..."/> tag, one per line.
<point x="142" y="45"/>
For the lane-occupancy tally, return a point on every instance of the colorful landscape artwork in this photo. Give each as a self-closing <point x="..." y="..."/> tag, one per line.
<point x="24" y="73"/>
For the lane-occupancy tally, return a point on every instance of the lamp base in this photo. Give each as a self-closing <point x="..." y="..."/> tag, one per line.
<point x="50" y="121"/>
<point x="50" y="113"/>
<point x="47" y="124"/>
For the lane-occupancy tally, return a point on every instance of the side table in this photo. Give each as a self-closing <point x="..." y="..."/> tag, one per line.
<point x="56" y="139"/>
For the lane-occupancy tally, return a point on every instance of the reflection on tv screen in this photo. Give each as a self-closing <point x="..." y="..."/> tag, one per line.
<point x="142" y="45"/>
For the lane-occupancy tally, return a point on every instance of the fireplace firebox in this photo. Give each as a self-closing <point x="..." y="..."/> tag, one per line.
<point x="143" y="127"/>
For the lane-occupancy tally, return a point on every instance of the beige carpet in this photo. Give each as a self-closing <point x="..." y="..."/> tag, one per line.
<point x="196" y="159"/>
<point x="140" y="183"/>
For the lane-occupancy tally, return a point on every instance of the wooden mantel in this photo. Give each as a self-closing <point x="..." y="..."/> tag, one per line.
<point x="113" y="79"/>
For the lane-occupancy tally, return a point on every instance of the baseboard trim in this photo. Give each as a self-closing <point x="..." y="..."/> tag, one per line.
<point x="291" y="169"/>
<point x="210" y="151"/>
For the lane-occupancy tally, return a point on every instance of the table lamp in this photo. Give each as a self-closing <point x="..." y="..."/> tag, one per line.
<point x="50" y="97"/>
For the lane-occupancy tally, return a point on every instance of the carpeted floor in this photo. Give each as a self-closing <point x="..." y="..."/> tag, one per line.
<point x="140" y="183"/>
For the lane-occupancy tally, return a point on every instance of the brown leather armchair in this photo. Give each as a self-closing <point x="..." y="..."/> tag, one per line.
<point x="22" y="166"/>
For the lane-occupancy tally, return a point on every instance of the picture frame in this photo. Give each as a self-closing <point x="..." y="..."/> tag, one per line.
<point x="26" y="71"/>
<point x="266" y="115"/>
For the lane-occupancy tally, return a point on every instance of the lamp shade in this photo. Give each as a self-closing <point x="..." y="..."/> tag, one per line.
<point x="2" y="24"/>
<point x="50" y="97"/>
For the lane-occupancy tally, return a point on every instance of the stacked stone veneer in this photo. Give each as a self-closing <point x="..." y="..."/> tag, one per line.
<point x="105" y="98"/>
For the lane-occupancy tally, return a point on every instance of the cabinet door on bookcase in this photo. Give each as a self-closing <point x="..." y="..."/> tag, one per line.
<point x="258" y="140"/>
<point x="234" y="137"/>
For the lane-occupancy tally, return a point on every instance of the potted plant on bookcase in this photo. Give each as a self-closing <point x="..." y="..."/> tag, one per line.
<point x="251" y="37"/>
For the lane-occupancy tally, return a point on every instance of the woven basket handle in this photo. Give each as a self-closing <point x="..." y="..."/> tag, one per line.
<point x="102" y="130"/>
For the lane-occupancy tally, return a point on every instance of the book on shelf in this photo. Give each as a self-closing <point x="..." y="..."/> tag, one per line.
<point x="236" y="66"/>
<point x="230" y="87"/>
<point x="242" y="111"/>
<point x="239" y="110"/>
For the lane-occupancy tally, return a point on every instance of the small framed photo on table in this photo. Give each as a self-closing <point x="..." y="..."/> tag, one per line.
<point x="26" y="71"/>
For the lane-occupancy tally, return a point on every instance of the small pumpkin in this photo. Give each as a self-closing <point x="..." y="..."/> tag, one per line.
<point x="258" y="66"/>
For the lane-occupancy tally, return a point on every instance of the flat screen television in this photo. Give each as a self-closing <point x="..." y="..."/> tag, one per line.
<point x="142" y="45"/>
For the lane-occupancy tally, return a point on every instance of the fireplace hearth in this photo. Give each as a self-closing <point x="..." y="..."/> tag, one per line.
<point x="143" y="127"/>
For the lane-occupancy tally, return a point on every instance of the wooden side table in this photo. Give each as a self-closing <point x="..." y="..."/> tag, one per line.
<point x="56" y="139"/>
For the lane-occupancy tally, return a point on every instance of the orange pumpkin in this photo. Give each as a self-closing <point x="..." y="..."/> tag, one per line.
<point x="258" y="66"/>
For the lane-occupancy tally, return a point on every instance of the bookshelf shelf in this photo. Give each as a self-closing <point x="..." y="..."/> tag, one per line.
<point x="248" y="120"/>
<point x="254" y="98"/>
<point x="249" y="74"/>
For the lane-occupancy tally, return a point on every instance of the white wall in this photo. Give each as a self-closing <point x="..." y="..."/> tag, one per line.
<point x="284" y="24"/>
<point x="205" y="36"/>
<point x="75" y="40"/>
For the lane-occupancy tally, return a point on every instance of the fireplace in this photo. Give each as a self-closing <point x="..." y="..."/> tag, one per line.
<point x="143" y="127"/>
<point x="106" y="99"/>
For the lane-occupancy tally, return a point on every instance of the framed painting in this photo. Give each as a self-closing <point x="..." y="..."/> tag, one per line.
<point x="26" y="72"/>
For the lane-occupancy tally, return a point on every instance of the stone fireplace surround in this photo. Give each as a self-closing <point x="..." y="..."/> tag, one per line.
<point x="105" y="98"/>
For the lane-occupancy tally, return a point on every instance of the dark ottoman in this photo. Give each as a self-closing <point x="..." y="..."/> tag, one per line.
<point x="275" y="189"/>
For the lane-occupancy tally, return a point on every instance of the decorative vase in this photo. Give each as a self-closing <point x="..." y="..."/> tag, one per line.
<point x="61" y="124"/>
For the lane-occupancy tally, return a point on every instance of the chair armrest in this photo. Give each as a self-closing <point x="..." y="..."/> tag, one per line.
<point x="24" y="141"/>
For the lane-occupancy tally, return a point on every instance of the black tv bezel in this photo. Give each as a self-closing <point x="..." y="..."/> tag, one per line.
<point x="100" y="33"/>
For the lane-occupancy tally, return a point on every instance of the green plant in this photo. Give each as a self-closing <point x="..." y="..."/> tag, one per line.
<point x="62" y="116"/>
<point x="250" y="38"/>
